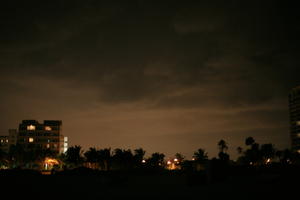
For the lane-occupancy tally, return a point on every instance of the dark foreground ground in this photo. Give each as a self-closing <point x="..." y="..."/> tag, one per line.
<point x="85" y="184"/>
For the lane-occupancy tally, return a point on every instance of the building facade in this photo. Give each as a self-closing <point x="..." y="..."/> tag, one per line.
<point x="294" y="104"/>
<point x="33" y="135"/>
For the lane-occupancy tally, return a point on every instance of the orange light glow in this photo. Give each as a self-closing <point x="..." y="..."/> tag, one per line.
<point x="51" y="161"/>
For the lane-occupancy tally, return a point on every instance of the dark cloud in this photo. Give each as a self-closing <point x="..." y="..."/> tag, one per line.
<point x="81" y="61"/>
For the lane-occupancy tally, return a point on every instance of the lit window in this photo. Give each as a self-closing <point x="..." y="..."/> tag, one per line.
<point x="2" y="141"/>
<point x="48" y="146"/>
<point x="31" y="128"/>
<point x="48" y="128"/>
<point x="6" y="141"/>
<point x="30" y="139"/>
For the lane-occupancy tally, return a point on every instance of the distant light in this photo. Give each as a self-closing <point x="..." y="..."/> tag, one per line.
<point x="143" y="161"/>
<point x="298" y="123"/>
<point x="169" y="162"/>
<point x="298" y="151"/>
<point x="268" y="160"/>
<point x="193" y="158"/>
<point x="175" y="160"/>
<point x="48" y="146"/>
<point x="251" y="163"/>
<point x="31" y="127"/>
<point x="30" y="139"/>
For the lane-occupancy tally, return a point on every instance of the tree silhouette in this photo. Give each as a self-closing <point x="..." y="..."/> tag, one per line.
<point x="105" y="158"/>
<point x="239" y="150"/>
<point x="123" y="159"/>
<point x="156" y="160"/>
<point x="92" y="157"/>
<point x="222" y="146"/>
<point x="16" y="156"/>
<point x="267" y="151"/>
<point x="200" y="155"/>
<point x="3" y="158"/>
<point x="73" y="156"/>
<point x="249" y="141"/>
<point x="138" y="157"/>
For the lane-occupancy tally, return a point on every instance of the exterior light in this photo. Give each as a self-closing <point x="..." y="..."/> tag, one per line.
<point x="49" y="162"/>
<point x="175" y="160"/>
<point x="268" y="160"/>
<point x="30" y="139"/>
<point x="143" y="161"/>
<point x="169" y="162"/>
<point x="193" y="158"/>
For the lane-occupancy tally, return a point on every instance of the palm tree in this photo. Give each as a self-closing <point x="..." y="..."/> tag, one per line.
<point x="73" y="156"/>
<point x="200" y="155"/>
<point x="222" y="146"/>
<point x="105" y="158"/>
<point x="123" y="159"/>
<point x="92" y="157"/>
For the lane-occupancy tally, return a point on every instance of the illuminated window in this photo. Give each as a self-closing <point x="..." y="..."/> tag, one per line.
<point x="6" y="141"/>
<point x="2" y="141"/>
<point x="48" y="146"/>
<point x="30" y="139"/>
<point x="48" y="128"/>
<point x="31" y="128"/>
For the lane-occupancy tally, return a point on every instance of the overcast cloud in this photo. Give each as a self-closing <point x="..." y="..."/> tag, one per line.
<point x="170" y="76"/>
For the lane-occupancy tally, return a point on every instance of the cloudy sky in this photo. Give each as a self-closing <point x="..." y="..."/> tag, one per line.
<point x="168" y="76"/>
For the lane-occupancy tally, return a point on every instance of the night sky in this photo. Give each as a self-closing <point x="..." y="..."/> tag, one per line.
<point x="167" y="76"/>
